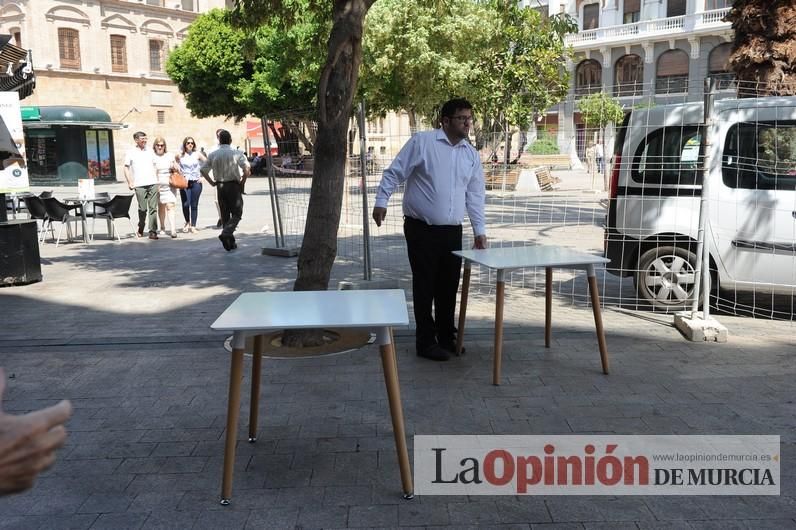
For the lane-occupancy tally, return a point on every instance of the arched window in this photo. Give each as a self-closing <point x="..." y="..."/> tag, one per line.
<point x="588" y="77"/>
<point x="719" y="66"/>
<point x="69" y="48"/>
<point x="672" y="74"/>
<point x="629" y="76"/>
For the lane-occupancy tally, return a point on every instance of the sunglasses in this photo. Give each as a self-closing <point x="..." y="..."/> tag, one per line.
<point x="159" y="145"/>
<point x="189" y="143"/>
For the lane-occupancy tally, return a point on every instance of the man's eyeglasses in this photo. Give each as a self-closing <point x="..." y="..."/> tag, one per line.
<point x="463" y="119"/>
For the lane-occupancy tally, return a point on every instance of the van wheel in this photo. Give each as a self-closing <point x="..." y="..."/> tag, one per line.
<point x="665" y="277"/>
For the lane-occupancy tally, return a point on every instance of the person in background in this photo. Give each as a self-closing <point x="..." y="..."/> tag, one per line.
<point x="190" y="161"/>
<point x="444" y="179"/>
<point x="164" y="163"/>
<point x="140" y="175"/>
<point x="28" y="443"/>
<point x="600" y="155"/>
<point x="227" y="164"/>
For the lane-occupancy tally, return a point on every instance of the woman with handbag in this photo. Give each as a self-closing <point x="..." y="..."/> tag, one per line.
<point x="190" y="160"/>
<point x="164" y="165"/>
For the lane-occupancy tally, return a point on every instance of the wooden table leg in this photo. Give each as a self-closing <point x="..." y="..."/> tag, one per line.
<point x="501" y="286"/>
<point x="598" y="318"/>
<point x="548" y="306"/>
<point x="388" y="364"/>
<point x="233" y="409"/>
<point x="257" y="368"/>
<point x="463" y="306"/>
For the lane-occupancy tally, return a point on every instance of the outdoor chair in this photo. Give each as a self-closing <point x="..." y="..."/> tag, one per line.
<point x="36" y="210"/>
<point x="116" y="208"/>
<point x="45" y="194"/>
<point x="62" y="213"/>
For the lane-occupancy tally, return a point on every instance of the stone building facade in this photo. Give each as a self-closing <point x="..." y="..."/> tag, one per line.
<point x="111" y="54"/>
<point x="643" y="52"/>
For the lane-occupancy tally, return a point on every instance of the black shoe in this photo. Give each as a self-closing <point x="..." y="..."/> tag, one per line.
<point x="434" y="353"/>
<point x="153" y="235"/>
<point x="226" y="242"/>
<point x="219" y="224"/>
<point x="451" y="347"/>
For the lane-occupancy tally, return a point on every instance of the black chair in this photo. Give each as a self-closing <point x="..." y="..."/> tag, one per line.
<point x="116" y="208"/>
<point x="45" y="194"/>
<point x="62" y="213"/>
<point x="36" y="210"/>
<point x="94" y="207"/>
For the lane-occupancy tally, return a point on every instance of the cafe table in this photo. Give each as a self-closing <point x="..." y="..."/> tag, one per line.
<point x="507" y="259"/>
<point x="84" y="202"/>
<point x="256" y="313"/>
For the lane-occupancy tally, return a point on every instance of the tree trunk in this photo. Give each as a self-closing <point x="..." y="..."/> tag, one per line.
<point x="764" y="50"/>
<point x="336" y="90"/>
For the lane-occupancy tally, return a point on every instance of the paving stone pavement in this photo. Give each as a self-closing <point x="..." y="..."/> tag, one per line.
<point x="122" y="330"/>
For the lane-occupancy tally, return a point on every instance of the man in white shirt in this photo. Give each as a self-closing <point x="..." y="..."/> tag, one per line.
<point x="444" y="178"/>
<point x="139" y="172"/>
<point x="227" y="164"/>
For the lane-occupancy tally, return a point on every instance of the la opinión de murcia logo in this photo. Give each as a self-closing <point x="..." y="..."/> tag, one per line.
<point x="595" y="465"/>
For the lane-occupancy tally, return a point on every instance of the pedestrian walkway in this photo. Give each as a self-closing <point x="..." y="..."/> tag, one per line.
<point x="122" y="329"/>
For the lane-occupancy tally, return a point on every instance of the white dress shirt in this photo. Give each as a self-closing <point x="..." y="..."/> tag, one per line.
<point x="442" y="181"/>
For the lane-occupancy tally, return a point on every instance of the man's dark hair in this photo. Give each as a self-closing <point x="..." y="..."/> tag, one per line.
<point x="138" y="135"/>
<point x="450" y="107"/>
<point x="224" y="137"/>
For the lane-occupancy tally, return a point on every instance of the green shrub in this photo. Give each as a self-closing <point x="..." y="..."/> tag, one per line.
<point x="546" y="145"/>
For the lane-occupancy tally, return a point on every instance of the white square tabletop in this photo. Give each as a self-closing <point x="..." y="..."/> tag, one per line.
<point x="530" y="256"/>
<point x="314" y="309"/>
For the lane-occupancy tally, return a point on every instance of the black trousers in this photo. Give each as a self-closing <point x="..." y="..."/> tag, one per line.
<point x="435" y="279"/>
<point x="230" y="202"/>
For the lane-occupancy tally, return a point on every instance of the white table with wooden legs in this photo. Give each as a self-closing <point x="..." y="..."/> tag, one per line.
<point x="253" y="314"/>
<point x="507" y="259"/>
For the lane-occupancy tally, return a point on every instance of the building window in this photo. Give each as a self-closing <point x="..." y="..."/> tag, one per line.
<point x="675" y="8"/>
<point x="18" y="38"/>
<point x="719" y="66"/>
<point x="118" y="53"/>
<point x="69" y="48"/>
<point x="156" y="56"/>
<point x="672" y="73"/>
<point x="716" y="4"/>
<point x="161" y="117"/>
<point x="187" y="5"/>
<point x="155" y="3"/>
<point x="632" y="11"/>
<point x="544" y="14"/>
<point x="588" y="78"/>
<point x="629" y="76"/>
<point x="591" y="16"/>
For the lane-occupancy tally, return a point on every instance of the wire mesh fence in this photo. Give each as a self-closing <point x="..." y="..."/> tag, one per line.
<point x="636" y="198"/>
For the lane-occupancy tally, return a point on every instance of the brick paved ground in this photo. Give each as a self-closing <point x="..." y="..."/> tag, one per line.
<point x="123" y="331"/>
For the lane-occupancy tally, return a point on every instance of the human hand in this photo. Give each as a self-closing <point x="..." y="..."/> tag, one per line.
<point x="28" y="443"/>
<point x="379" y="214"/>
<point x="480" y="242"/>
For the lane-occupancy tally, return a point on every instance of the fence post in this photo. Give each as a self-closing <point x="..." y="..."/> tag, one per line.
<point x="279" y="232"/>
<point x="363" y="170"/>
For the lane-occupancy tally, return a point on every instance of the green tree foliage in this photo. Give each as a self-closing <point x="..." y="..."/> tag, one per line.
<point x="599" y="109"/>
<point x="416" y="55"/>
<point x="225" y="70"/>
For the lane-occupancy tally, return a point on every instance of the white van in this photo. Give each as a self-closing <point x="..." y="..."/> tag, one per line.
<point x="656" y="185"/>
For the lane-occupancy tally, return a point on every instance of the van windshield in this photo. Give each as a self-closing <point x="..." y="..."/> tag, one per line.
<point x="670" y="155"/>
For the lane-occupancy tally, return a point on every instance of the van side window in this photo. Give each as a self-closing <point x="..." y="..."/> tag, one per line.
<point x="670" y="155"/>
<point x="760" y="156"/>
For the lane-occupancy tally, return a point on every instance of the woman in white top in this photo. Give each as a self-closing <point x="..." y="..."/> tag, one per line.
<point x="168" y="200"/>
<point x="190" y="160"/>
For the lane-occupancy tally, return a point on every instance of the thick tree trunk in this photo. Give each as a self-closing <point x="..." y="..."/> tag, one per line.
<point x="336" y="90"/>
<point x="764" y="50"/>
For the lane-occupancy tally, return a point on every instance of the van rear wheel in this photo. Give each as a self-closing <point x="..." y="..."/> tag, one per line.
<point x="665" y="277"/>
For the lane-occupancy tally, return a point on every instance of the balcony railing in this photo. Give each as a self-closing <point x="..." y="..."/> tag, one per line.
<point x="655" y="27"/>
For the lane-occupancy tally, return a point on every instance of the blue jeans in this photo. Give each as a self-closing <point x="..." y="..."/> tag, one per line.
<point x="190" y="201"/>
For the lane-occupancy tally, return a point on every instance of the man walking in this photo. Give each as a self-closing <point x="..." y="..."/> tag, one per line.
<point x="226" y="163"/>
<point x="139" y="172"/>
<point x="444" y="178"/>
